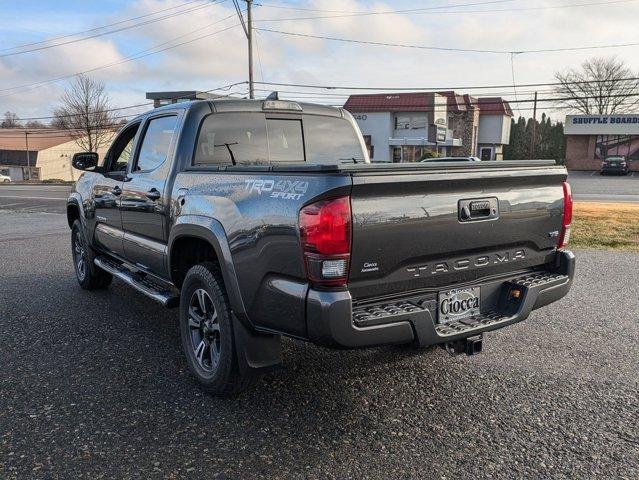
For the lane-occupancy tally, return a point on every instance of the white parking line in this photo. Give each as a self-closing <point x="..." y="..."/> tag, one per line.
<point x="2" y="205"/>
<point x="33" y="198"/>
<point x="593" y="174"/>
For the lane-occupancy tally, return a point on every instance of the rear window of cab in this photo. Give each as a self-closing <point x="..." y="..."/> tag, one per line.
<point x="254" y="138"/>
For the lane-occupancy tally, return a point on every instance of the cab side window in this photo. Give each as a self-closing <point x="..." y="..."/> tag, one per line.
<point x="156" y="143"/>
<point x="120" y="151"/>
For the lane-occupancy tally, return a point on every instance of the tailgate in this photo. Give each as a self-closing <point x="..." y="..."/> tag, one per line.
<point x="438" y="227"/>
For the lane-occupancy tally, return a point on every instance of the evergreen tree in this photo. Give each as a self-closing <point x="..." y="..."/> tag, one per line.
<point x="549" y="139"/>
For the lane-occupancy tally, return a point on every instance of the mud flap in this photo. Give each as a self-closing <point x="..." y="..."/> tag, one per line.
<point x="257" y="353"/>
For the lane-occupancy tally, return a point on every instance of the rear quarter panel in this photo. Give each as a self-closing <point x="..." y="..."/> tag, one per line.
<point x="259" y="214"/>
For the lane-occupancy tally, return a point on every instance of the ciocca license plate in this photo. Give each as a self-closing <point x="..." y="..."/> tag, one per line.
<point x="458" y="304"/>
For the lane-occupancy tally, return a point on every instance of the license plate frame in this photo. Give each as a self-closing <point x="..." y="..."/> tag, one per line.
<point x="458" y="304"/>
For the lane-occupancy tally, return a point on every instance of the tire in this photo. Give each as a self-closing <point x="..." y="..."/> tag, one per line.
<point x="207" y="334"/>
<point x="89" y="276"/>
<point x="6" y="181"/>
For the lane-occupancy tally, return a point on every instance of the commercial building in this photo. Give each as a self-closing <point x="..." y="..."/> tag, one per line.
<point x="406" y="127"/>
<point x="592" y="138"/>
<point x="47" y="156"/>
<point x="19" y="152"/>
<point x="55" y="162"/>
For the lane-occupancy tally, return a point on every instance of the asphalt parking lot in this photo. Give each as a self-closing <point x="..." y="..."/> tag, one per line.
<point x="592" y="187"/>
<point x="94" y="386"/>
<point x="34" y="198"/>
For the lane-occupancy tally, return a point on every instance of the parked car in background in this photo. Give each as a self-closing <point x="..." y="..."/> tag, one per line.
<point x="452" y="159"/>
<point x="5" y="178"/>
<point x="616" y="165"/>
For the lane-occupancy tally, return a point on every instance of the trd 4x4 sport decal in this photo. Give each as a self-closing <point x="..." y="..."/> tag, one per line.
<point x="284" y="189"/>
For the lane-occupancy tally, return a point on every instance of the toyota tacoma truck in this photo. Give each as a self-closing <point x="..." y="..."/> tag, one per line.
<point x="263" y="218"/>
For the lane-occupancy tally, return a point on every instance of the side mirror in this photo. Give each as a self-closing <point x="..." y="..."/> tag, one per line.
<point x="85" y="160"/>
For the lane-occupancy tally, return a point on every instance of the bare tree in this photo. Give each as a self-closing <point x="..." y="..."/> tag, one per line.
<point x="34" y="124"/>
<point x="85" y="114"/>
<point x="603" y="86"/>
<point x="11" y="120"/>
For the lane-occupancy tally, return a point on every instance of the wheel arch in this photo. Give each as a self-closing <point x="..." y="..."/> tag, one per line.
<point x="74" y="211"/>
<point x="195" y="229"/>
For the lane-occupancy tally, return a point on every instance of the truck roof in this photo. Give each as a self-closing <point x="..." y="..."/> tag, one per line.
<point x="245" y="105"/>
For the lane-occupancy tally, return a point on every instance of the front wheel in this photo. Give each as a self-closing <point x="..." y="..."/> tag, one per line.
<point x="89" y="276"/>
<point x="207" y="332"/>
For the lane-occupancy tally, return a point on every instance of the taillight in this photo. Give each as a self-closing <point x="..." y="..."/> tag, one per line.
<point x="564" y="236"/>
<point x="325" y="232"/>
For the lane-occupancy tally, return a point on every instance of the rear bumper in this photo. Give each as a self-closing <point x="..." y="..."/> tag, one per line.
<point x="615" y="170"/>
<point x="334" y="321"/>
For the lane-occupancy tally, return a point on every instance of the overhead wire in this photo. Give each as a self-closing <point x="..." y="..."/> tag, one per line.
<point x="496" y="102"/>
<point x="136" y="56"/>
<point x="445" y="49"/>
<point x="16" y="47"/>
<point x="128" y="27"/>
<point x="426" y="11"/>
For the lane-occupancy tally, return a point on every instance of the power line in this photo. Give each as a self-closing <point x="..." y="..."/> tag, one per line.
<point x="387" y="89"/>
<point x="427" y="11"/>
<point x="128" y="27"/>
<point x="321" y="94"/>
<point x="61" y="133"/>
<point x="438" y="89"/>
<point x="261" y="4"/>
<point x="224" y="87"/>
<point x="15" y="47"/>
<point x="496" y="102"/>
<point x="512" y="70"/>
<point x="136" y="56"/>
<point x="445" y="49"/>
<point x="384" y="44"/>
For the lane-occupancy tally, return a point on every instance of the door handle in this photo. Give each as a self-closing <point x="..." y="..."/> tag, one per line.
<point x="153" y="194"/>
<point x="117" y="191"/>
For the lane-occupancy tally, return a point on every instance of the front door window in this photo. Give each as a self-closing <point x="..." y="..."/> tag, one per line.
<point x="121" y="151"/>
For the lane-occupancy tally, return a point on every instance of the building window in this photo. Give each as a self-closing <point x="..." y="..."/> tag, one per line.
<point x="486" y="153"/>
<point x="621" y="145"/>
<point x="397" y="155"/>
<point x="411" y="122"/>
<point x="411" y="153"/>
<point x="369" y="146"/>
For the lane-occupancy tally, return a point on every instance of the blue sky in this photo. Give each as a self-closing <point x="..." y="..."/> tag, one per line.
<point x="220" y="58"/>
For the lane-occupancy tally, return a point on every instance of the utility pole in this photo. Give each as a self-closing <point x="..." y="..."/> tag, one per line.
<point x="249" y="34"/>
<point x="534" y="129"/>
<point x="26" y="141"/>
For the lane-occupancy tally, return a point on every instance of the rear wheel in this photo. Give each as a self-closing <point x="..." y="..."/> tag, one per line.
<point x="207" y="332"/>
<point x="89" y="276"/>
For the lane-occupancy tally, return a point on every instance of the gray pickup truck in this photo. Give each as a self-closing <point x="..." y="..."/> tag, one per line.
<point x="263" y="218"/>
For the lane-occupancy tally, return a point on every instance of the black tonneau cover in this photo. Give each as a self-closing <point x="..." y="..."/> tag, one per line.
<point x="369" y="168"/>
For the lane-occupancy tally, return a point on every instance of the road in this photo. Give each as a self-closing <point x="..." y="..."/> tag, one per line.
<point x="592" y="187"/>
<point x="34" y="198"/>
<point x="94" y="386"/>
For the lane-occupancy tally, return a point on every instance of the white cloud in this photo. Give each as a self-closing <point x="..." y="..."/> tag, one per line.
<point x="220" y="59"/>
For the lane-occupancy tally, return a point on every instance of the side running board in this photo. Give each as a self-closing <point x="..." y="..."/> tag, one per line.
<point x="143" y="283"/>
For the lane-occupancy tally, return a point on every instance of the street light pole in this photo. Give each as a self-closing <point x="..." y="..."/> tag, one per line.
<point x="26" y="141"/>
<point x="534" y="129"/>
<point x="249" y="14"/>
